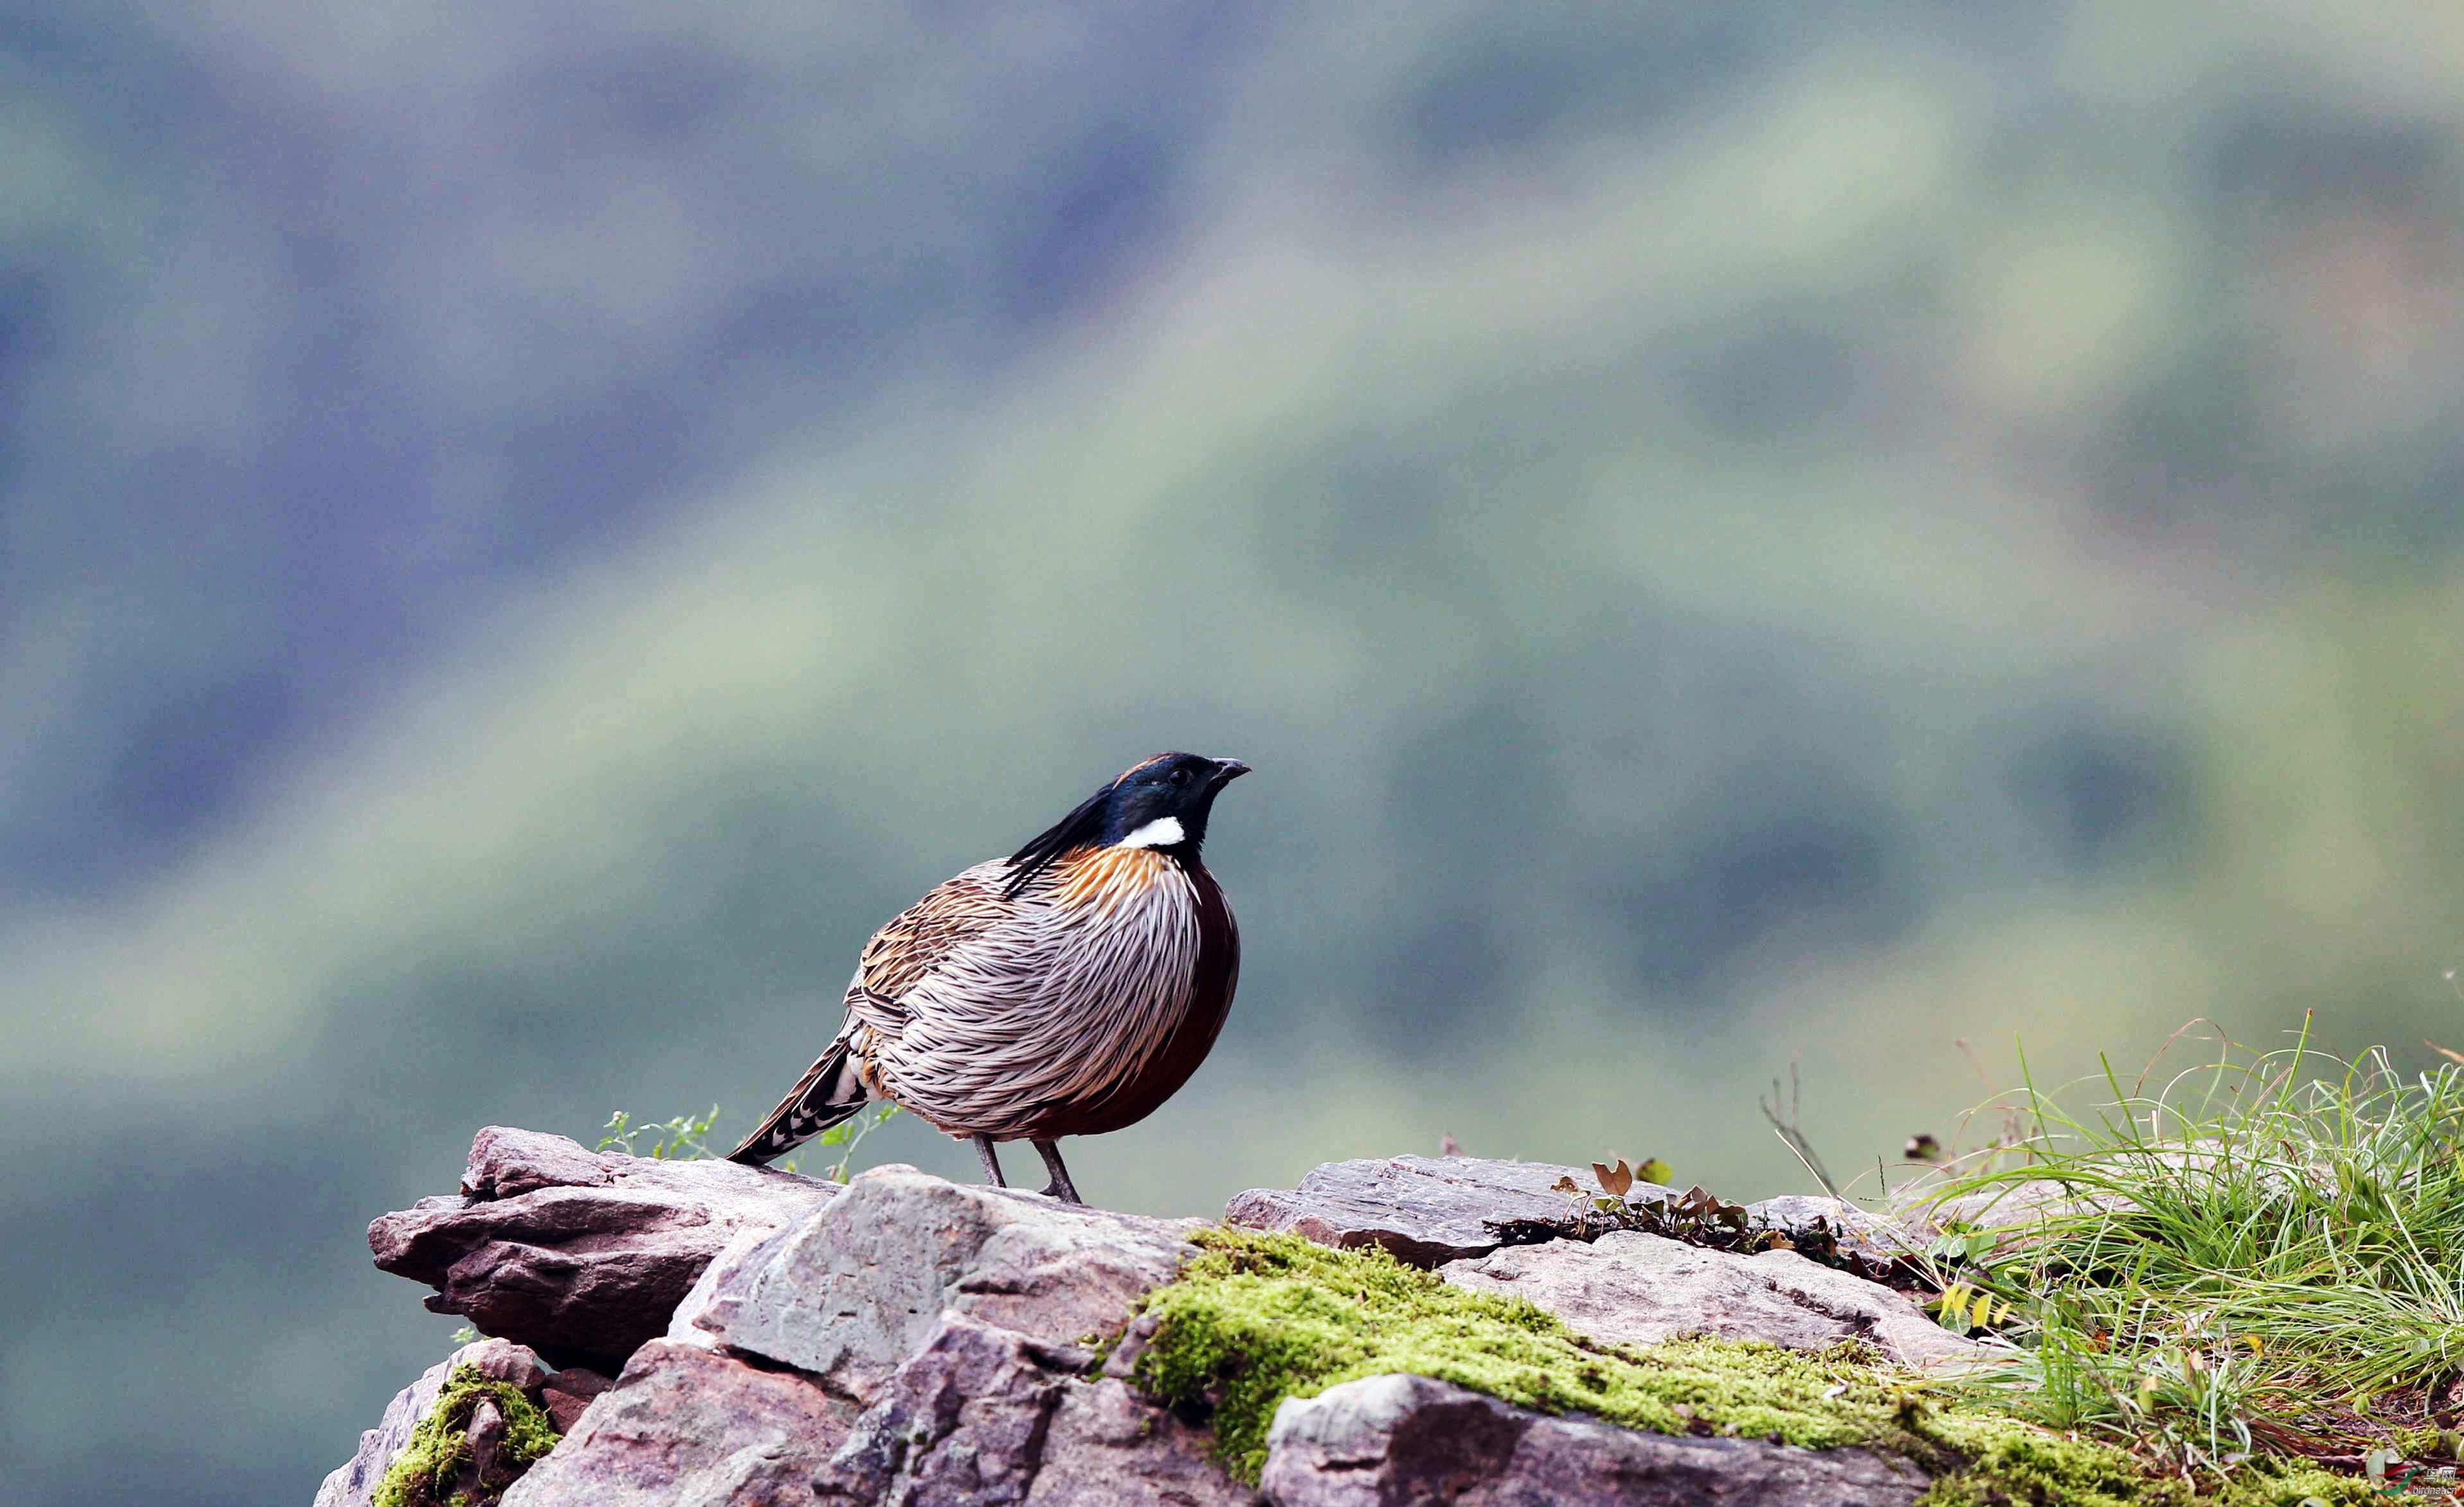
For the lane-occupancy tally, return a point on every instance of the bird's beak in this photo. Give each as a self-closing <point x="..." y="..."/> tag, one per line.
<point x="1227" y="771"/>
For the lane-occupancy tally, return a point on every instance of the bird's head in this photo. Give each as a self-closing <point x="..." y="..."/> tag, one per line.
<point x="1161" y="803"/>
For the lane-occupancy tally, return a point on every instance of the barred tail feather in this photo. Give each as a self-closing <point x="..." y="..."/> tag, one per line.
<point x="827" y="1094"/>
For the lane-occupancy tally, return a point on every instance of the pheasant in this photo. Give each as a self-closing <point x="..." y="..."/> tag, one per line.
<point x="1067" y="990"/>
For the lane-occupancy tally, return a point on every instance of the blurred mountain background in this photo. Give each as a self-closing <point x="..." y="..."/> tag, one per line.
<point x="1734" y="535"/>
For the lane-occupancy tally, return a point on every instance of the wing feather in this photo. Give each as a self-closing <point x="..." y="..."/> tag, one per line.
<point x="918" y="941"/>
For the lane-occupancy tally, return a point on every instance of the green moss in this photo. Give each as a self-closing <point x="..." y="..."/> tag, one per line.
<point x="423" y="1472"/>
<point x="1259" y="1317"/>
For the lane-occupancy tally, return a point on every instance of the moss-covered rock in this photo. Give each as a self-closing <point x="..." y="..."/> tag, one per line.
<point x="1259" y="1317"/>
<point x="430" y="1471"/>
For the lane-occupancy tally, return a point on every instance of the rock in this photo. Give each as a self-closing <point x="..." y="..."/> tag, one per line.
<point x="581" y="1255"/>
<point x="711" y="1305"/>
<point x="854" y="1291"/>
<point x="1402" y="1441"/>
<point x="1109" y="1445"/>
<point x="685" y="1427"/>
<point x="1426" y="1209"/>
<point x="984" y="1415"/>
<point x="963" y="1421"/>
<point x="507" y="1163"/>
<point x="568" y="1392"/>
<point x="1631" y="1288"/>
<point x="355" y="1484"/>
<point x="481" y="1439"/>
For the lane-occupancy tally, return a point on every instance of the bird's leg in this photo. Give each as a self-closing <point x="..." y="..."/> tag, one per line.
<point x="1060" y="1187"/>
<point x="991" y="1163"/>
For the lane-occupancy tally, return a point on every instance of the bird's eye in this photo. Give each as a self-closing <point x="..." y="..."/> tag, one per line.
<point x="1180" y="777"/>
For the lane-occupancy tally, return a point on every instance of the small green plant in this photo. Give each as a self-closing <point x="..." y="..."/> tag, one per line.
<point x="687" y="1137"/>
<point x="849" y="1134"/>
<point x="683" y="1139"/>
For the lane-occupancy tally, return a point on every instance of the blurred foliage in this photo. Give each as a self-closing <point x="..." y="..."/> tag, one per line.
<point x="1730" y="534"/>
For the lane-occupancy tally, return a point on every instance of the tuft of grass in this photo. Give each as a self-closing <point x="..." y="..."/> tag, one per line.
<point x="2259" y="1256"/>
<point x="423" y="1474"/>
<point x="1255" y="1319"/>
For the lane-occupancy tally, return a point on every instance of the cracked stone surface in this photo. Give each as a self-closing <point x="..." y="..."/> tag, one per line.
<point x="1406" y="1441"/>
<point x="982" y="1415"/>
<point x="1425" y="1209"/>
<point x="851" y="1293"/>
<point x="1631" y="1288"/>
<point x="685" y="1427"/>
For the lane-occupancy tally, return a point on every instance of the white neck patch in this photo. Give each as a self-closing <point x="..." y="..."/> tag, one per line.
<point x="1161" y="832"/>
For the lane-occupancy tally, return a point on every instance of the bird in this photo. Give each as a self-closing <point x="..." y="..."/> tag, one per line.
<point x="1067" y="990"/>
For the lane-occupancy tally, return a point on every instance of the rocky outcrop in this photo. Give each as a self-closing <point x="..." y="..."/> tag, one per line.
<point x="1631" y="1288"/>
<point x="1423" y="1209"/>
<point x="916" y="1341"/>
<point x="913" y="1341"/>
<point x="1404" y="1441"/>
<point x="581" y="1255"/>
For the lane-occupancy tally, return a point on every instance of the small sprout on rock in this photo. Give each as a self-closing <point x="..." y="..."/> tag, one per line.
<point x="682" y="1139"/>
<point x="849" y="1134"/>
<point x="1618" y="1179"/>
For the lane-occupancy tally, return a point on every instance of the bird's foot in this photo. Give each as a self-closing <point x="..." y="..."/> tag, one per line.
<point x="1060" y="1187"/>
